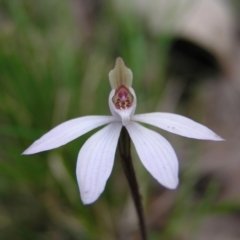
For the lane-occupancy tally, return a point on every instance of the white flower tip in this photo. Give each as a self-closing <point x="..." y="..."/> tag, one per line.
<point x="86" y="200"/>
<point x="172" y="184"/>
<point x="89" y="196"/>
<point x="25" y="152"/>
<point x="28" y="151"/>
<point x="36" y="147"/>
<point x="218" y="138"/>
<point x="120" y="75"/>
<point x="213" y="137"/>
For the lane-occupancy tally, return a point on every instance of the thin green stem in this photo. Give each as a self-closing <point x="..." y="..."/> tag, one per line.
<point x="124" y="146"/>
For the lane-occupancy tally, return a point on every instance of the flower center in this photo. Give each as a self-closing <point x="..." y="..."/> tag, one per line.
<point x="122" y="98"/>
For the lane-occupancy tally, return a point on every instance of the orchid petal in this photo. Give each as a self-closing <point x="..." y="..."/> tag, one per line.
<point x="95" y="162"/>
<point x="123" y="115"/>
<point x="67" y="132"/>
<point x="179" y="125"/>
<point x="120" y="75"/>
<point x="156" y="154"/>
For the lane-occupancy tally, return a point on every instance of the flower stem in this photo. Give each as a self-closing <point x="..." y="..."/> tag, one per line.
<point x="124" y="146"/>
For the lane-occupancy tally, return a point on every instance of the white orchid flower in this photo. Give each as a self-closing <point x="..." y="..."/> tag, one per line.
<point x="96" y="157"/>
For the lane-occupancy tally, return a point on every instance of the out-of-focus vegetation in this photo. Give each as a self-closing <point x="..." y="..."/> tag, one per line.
<point x="54" y="62"/>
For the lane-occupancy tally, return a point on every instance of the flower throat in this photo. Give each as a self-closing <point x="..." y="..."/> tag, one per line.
<point x="122" y="98"/>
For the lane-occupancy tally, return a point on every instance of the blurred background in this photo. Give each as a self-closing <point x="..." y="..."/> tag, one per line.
<point x="55" y="57"/>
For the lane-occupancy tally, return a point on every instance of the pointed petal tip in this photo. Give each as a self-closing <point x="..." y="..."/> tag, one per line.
<point x="32" y="149"/>
<point x="27" y="152"/>
<point x="218" y="138"/>
<point x="24" y="153"/>
<point x="88" y="197"/>
<point x="86" y="201"/>
<point x="172" y="185"/>
<point x="214" y="137"/>
<point x="120" y="64"/>
<point x="119" y="60"/>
